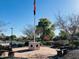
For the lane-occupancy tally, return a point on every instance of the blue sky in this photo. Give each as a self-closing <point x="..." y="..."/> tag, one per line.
<point x="19" y="13"/>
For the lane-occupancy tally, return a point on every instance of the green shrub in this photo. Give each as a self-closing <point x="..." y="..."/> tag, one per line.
<point x="76" y="43"/>
<point x="26" y="43"/>
<point x="46" y="43"/>
<point x="1" y="47"/>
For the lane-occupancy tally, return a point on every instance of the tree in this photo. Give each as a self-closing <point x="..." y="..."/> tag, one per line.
<point x="69" y="25"/>
<point x="2" y="24"/>
<point x="29" y="32"/>
<point x="63" y="35"/>
<point x="2" y="37"/>
<point x="45" y="29"/>
<point x="13" y="37"/>
<point x="7" y="38"/>
<point x="77" y="34"/>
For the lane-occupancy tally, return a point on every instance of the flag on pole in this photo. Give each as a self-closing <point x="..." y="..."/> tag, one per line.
<point x="34" y="7"/>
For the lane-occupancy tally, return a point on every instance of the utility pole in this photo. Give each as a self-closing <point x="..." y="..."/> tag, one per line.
<point x="11" y="37"/>
<point x="11" y="53"/>
<point x="11" y="30"/>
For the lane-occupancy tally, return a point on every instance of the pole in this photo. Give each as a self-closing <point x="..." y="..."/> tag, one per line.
<point x="34" y="19"/>
<point x="11" y="36"/>
<point x="10" y="48"/>
<point x="34" y="30"/>
<point x="11" y="31"/>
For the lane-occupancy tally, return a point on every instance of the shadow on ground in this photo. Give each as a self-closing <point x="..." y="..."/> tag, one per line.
<point x="21" y="51"/>
<point x="12" y="58"/>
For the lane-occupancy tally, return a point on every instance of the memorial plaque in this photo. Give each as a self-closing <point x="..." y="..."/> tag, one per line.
<point x="34" y="45"/>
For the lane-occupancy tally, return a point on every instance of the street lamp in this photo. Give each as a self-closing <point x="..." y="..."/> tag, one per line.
<point x="11" y="54"/>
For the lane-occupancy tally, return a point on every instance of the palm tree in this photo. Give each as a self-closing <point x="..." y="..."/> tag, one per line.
<point x="45" y="29"/>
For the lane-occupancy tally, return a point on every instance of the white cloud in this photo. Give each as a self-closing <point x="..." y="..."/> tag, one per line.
<point x="75" y="6"/>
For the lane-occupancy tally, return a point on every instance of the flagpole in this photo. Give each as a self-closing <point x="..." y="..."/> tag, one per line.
<point x="34" y="19"/>
<point x="34" y="29"/>
<point x="34" y="45"/>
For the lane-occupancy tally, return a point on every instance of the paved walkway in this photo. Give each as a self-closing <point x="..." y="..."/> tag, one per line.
<point x="43" y="51"/>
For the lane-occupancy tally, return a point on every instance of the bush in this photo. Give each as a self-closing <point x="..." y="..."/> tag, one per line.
<point x="46" y="43"/>
<point x="76" y="43"/>
<point x="26" y="43"/>
<point x="1" y="47"/>
<point x="20" y="45"/>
